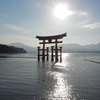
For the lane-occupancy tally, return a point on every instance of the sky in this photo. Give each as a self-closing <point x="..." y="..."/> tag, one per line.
<point x="22" y="20"/>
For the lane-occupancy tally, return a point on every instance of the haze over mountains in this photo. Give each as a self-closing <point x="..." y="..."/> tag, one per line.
<point x="27" y="48"/>
<point x="81" y="48"/>
<point x="66" y="47"/>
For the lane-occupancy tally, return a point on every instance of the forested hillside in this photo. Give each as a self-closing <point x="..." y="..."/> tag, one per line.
<point x="11" y="49"/>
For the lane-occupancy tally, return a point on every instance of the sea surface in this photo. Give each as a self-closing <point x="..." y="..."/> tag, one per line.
<point x="22" y="77"/>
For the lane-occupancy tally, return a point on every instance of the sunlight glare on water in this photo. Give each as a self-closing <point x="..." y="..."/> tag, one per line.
<point x="61" y="90"/>
<point x="64" y="62"/>
<point x="73" y="79"/>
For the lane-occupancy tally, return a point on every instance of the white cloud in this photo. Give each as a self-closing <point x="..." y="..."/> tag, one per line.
<point x="12" y="27"/>
<point x="81" y="13"/>
<point x="86" y="14"/>
<point x="91" y="26"/>
<point x="79" y="18"/>
<point x="17" y="38"/>
<point x="83" y="20"/>
<point x="23" y="28"/>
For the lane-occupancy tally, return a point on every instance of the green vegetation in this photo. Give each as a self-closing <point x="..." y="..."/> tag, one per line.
<point x="11" y="49"/>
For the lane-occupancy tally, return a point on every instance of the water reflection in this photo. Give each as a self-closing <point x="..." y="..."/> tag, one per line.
<point x="27" y="79"/>
<point x="61" y="88"/>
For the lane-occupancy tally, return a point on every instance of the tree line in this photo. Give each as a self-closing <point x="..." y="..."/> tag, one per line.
<point x="11" y="49"/>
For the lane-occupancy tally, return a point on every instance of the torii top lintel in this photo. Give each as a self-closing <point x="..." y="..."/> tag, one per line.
<point x="60" y="36"/>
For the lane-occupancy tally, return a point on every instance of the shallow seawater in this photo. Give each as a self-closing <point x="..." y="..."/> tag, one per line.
<point x="27" y="79"/>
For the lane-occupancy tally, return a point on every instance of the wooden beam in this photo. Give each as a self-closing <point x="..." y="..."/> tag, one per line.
<point x="60" y="36"/>
<point x="55" y="55"/>
<point x="50" y="42"/>
<point x="42" y="49"/>
<point x="55" y="49"/>
<point x="42" y="55"/>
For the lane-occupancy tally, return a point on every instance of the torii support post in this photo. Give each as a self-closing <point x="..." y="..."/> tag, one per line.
<point x="60" y="54"/>
<point x="47" y="53"/>
<point x="43" y="53"/>
<point x="52" y="56"/>
<point x="49" y="41"/>
<point x="56" y="51"/>
<point x="38" y="53"/>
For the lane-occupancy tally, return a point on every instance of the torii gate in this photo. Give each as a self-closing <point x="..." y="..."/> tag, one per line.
<point x="50" y="38"/>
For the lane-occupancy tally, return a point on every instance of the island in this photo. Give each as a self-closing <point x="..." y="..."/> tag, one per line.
<point x="11" y="49"/>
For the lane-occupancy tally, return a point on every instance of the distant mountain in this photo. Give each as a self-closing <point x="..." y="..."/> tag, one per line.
<point x="81" y="48"/>
<point x="10" y="49"/>
<point x="27" y="48"/>
<point x="66" y="47"/>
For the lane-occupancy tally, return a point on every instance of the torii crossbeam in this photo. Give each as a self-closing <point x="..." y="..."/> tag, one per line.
<point x="49" y="38"/>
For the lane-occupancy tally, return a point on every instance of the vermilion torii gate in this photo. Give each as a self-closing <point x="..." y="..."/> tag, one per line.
<point x="50" y="40"/>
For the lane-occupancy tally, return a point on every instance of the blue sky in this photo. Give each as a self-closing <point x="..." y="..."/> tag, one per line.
<point x="22" y="20"/>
